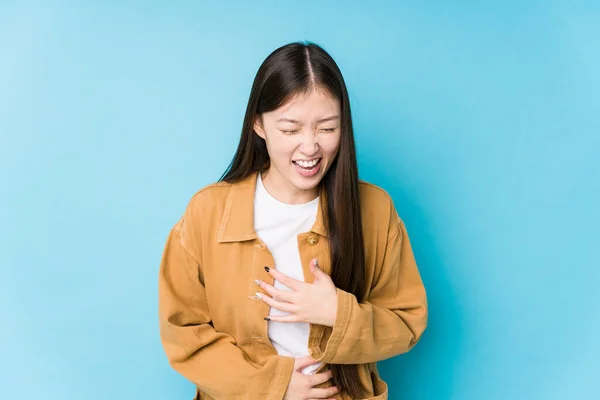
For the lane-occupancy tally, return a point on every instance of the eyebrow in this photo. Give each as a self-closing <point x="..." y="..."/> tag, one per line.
<point x="297" y="122"/>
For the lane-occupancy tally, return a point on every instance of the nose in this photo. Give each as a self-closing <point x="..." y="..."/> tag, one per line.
<point x="309" y="145"/>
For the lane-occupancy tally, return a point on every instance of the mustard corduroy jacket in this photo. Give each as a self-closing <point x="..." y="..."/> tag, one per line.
<point x="212" y="329"/>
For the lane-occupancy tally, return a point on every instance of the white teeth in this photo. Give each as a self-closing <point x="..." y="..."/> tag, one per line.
<point x="307" y="164"/>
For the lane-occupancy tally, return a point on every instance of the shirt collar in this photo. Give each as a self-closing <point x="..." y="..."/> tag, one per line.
<point x="237" y="223"/>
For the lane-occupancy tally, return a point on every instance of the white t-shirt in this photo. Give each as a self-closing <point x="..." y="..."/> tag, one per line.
<point x="278" y="225"/>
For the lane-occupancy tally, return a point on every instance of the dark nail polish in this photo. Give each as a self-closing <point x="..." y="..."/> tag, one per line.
<point x="267" y="319"/>
<point x="267" y="269"/>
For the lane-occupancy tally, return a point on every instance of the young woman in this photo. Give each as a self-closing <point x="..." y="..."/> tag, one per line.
<point x="290" y="278"/>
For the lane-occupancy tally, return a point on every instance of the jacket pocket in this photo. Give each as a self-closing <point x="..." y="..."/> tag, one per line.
<point x="380" y="388"/>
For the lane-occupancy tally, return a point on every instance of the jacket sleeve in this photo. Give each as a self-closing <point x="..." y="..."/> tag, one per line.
<point x="390" y="322"/>
<point x="208" y="358"/>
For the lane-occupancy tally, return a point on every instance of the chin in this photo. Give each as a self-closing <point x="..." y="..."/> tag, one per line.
<point x="306" y="183"/>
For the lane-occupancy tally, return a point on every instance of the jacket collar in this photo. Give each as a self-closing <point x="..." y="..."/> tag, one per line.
<point x="237" y="223"/>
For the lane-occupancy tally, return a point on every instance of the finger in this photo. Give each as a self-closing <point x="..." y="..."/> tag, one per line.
<point x="322" y="377"/>
<point x="285" y="318"/>
<point x="315" y="269"/>
<point x="303" y="362"/>
<point x="322" y="393"/>
<point x="282" y="295"/>
<point x="288" y="281"/>
<point x="278" y="305"/>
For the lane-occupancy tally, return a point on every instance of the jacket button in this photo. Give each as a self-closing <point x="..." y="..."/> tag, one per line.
<point x="312" y="240"/>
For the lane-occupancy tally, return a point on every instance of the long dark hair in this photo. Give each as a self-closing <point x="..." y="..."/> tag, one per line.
<point x="288" y="71"/>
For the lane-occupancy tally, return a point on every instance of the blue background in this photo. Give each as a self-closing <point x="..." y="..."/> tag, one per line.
<point x="481" y="119"/>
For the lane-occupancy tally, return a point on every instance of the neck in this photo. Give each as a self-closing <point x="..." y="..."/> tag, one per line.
<point x="284" y="191"/>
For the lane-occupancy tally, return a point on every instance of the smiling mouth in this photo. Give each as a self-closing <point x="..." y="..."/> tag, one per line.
<point x="306" y="165"/>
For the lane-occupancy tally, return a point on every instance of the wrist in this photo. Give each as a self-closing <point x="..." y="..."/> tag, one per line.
<point x="332" y="313"/>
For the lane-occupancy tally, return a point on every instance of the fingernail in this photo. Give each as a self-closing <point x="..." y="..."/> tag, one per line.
<point x="267" y="319"/>
<point x="316" y="263"/>
<point x="259" y="296"/>
<point x="257" y="282"/>
<point x="267" y="268"/>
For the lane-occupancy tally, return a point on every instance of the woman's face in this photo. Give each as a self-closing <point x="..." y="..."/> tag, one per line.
<point x="303" y="138"/>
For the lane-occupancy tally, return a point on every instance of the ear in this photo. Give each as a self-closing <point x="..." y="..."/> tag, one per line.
<point x="258" y="128"/>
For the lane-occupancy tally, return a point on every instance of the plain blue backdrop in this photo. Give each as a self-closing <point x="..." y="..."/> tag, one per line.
<point x="481" y="119"/>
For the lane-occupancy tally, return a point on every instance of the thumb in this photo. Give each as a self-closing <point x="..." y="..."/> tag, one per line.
<point x="314" y="268"/>
<point x="302" y="362"/>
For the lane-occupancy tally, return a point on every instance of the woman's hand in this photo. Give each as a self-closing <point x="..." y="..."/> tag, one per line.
<point x="315" y="303"/>
<point x="302" y="387"/>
